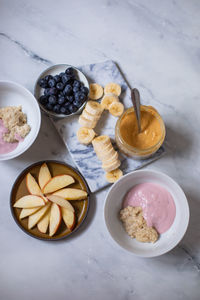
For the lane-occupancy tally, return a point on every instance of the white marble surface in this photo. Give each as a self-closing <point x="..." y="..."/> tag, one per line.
<point x="156" y="43"/>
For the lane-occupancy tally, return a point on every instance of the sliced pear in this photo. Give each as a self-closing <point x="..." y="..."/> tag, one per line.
<point x="58" y="182"/>
<point x="61" y="201"/>
<point x="44" y="175"/>
<point x="71" y="194"/>
<point x="55" y="219"/>
<point x="25" y="212"/>
<point x="69" y="218"/>
<point x="36" y="217"/>
<point x="43" y="224"/>
<point x="29" y="201"/>
<point x="32" y="185"/>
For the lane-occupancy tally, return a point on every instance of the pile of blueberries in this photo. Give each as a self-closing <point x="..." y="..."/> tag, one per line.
<point x="63" y="93"/>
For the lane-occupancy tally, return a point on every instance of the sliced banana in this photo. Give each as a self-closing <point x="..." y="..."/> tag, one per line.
<point x="104" y="156"/>
<point x="96" y="91"/>
<point x="93" y="108"/>
<point x="114" y="175"/>
<point x="85" y="135"/>
<point x="110" y="159"/>
<point x="99" y="149"/>
<point x="90" y="117"/>
<point x="108" y="100"/>
<point x="113" y="88"/>
<point x="116" y="109"/>
<point x="110" y="167"/>
<point x="86" y="123"/>
<point x="101" y="141"/>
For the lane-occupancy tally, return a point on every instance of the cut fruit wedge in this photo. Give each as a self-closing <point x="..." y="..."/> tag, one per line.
<point x="29" y="201"/>
<point x="32" y="185"/>
<point x="58" y="182"/>
<point x="44" y="175"/>
<point x="43" y="224"/>
<point x="55" y="219"/>
<point x="36" y="217"/>
<point x="69" y="218"/>
<point x="61" y="201"/>
<point x="25" y="212"/>
<point x="71" y="194"/>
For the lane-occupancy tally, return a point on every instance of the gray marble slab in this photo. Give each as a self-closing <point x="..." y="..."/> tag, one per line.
<point x="84" y="156"/>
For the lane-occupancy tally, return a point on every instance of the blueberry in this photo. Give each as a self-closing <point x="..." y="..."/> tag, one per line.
<point x="56" y="109"/>
<point x="61" y="100"/>
<point x="48" y="77"/>
<point x="51" y="83"/>
<point x="57" y="78"/>
<point x="75" y="89"/>
<point x="63" y="110"/>
<point x="60" y="86"/>
<point x="77" y="95"/>
<point x="61" y="94"/>
<point x="42" y="83"/>
<point x="52" y="91"/>
<point x="61" y="74"/>
<point x="67" y="90"/>
<point x="70" y="99"/>
<point x="66" y="79"/>
<point x="82" y="97"/>
<point x="69" y="71"/>
<point x="84" y="90"/>
<point x="77" y="103"/>
<point x="52" y="100"/>
<point x="72" y="108"/>
<point x="43" y="100"/>
<point x="49" y="106"/>
<point x="46" y="91"/>
<point x="77" y="83"/>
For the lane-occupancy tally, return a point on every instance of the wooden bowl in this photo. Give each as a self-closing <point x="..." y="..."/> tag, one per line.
<point x="19" y="190"/>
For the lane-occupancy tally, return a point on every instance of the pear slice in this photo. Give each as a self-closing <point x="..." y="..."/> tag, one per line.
<point x="36" y="217"/>
<point x="58" y="182"/>
<point x="29" y="201"/>
<point x="60" y="201"/>
<point x="43" y="224"/>
<point x="71" y="194"/>
<point x="55" y="219"/>
<point x="32" y="185"/>
<point x="69" y="218"/>
<point x="44" y="175"/>
<point x="25" y="212"/>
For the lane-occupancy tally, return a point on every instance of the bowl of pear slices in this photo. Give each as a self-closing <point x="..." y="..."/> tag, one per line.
<point x="49" y="200"/>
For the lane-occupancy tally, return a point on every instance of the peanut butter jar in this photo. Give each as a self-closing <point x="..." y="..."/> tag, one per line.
<point x="144" y="144"/>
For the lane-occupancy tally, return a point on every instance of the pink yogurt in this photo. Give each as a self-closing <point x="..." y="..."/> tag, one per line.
<point x="158" y="206"/>
<point x="5" y="147"/>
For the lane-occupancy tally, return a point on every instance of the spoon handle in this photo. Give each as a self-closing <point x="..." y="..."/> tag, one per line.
<point x="135" y="96"/>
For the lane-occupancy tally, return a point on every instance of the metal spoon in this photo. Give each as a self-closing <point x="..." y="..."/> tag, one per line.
<point x="135" y="97"/>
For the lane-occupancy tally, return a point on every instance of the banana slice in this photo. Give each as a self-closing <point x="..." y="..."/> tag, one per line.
<point x="113" y="175"/>
<point x="116" y="109"/>
<point x="108" y="100"/>
<point x="86" y="123"/>
<point x="85" y="135"/>
<point x="110" y="167"/>
<point x="96" y="91"/>
<point x="94" y="108"/>
<point x="101" y="141"/>
<point x="99" y="149"/>
<point x="90" y="117"/>
<point x="110" y="159"/>
<point x="113" y="88"/>
<point x="104" y="156"/>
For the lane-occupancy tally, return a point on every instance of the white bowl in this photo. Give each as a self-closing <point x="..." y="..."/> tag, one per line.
<point x="13" y="94"/>
<point x="54" y="70"/>
<point x="113" y="204"/>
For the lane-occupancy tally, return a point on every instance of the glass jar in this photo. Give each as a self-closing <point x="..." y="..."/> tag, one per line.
<point x="134" y="152"/>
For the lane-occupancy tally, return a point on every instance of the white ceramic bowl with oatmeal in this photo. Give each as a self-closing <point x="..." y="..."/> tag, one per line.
<point x="168" y="240"/>
<point x="20" y="112"/>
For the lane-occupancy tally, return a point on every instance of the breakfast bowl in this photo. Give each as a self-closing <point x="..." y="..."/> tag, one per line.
<point x="13" y="94"/>
<point x="60" y="96"/>
<point x="66" y="215"/>
<point x="113" y="204"/>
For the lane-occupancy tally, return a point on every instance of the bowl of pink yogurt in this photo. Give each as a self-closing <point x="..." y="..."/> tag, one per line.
<point x="164" y="206"/>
